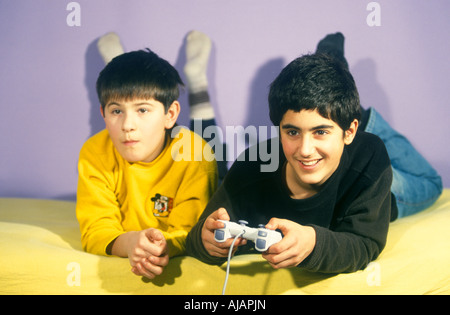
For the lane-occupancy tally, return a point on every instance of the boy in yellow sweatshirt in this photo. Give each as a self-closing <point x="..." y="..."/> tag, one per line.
<point x="141" y="188"/>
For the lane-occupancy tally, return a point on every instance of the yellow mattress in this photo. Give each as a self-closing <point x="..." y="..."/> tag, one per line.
<point x="40" y="253"/>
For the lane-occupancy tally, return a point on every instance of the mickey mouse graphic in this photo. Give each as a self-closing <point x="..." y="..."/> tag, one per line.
<point x="163" y="205"/>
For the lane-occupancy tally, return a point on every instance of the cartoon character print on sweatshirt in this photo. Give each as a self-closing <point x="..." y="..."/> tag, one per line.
<point x="162" y="205"/>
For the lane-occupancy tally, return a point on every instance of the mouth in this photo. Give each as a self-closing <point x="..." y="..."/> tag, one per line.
<point x="310" y="164"/>
<point x="130" y="142"/>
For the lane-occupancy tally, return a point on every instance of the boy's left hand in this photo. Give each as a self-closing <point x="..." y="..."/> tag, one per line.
<point x="298" y="242"/>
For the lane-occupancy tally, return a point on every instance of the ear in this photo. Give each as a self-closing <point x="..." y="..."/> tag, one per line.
<point x="102" y="111"/>
<point x="172" y="115"/>
<point x="350" y="133"/>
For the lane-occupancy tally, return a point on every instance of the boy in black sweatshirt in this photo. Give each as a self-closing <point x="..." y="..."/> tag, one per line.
<point x="330" y="196"/>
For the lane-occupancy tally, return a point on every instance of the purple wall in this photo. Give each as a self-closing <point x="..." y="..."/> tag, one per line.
<point x="48" y="70"/>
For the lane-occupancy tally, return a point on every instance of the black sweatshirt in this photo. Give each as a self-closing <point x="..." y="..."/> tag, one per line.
<point x="350" y="214"/>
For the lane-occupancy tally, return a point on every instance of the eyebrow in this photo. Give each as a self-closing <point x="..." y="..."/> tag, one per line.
<point x="290" y="126"/>
<point x="136" y="104"/>
<point x="112" y="103"/>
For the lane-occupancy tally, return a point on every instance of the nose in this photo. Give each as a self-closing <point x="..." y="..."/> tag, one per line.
<point x="128" y="123"/>
<point x="306" y="147"/>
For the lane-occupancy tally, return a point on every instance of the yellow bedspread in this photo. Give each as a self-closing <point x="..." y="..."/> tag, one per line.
<point x="40" y="253"/>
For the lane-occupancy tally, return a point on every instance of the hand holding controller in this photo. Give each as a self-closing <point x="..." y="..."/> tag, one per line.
<point x="262" y="237"/>
<point x="266" y="238"/>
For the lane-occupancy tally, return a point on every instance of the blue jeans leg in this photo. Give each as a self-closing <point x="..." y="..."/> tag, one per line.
<point x="416" y="184"/>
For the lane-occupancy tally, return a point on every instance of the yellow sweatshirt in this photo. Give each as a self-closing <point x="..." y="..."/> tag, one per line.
<point x="170" y="193"/>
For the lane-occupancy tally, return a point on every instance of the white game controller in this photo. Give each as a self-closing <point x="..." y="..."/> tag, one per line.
<point x="262" y="237"/>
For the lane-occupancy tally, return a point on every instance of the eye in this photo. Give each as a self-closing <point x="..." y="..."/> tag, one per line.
<point x="321" y="132"/>
<point x="143" y="110"/>
<point x="116" y="112"/>
<point x="292" y="133"/>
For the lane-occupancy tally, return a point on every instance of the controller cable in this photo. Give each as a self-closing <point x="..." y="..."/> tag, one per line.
<point x="229" y="260"/>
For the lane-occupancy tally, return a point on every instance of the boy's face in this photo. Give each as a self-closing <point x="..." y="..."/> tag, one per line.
<point x="138" y="128"/>
<point x="313" y="146"/>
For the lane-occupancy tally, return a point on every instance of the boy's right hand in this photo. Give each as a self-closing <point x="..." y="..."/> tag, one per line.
<point x="211" y="224"/>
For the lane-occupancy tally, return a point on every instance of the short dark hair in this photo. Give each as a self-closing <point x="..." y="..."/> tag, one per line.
<point x="139" y="74"/>
<point x="315" y="82"/>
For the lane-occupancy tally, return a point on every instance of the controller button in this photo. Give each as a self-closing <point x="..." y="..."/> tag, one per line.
<point x="220" y="235"/>
<point x="260" y="244"/>
<point x="243" y="222"/>
<point x="262" y="233"/>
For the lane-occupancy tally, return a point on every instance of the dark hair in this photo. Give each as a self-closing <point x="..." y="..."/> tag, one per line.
<point x="139" y="74"/>
<point x="315" y="82"/>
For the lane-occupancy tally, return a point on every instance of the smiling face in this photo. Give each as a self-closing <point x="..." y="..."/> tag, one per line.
<point x="313" y="146"/>
<point x="138" y="127"/>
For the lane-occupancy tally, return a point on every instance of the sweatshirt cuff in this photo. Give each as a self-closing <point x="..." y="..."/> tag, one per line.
<point x="311" y="262"/>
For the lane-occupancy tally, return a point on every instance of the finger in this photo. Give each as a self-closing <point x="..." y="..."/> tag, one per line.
<point x="217" y="249"/>
<point x="276" y="258"/>
<point x="138" y="254"/>
<point x="286" y="243"/>
<point x="139" y="270"/>
<point x="143" y="247"/>
<point x="155" y="236"/>
<point x="148" y="249"/>
<point x="227" y="244"/>
<point x="156" y="244"/>
<point x="217" y="252"/>
<point x="287" y="263"/>
<point x="153" y="269"/>
<point x="221" y="252"/>
<point x="276" y="224"/>
<point x="222" y="249"/>
<point x="161" y="261"/>
<point x="212" y="222"/>
<point x="223" y="214"/>
<point x="284" y="254"/>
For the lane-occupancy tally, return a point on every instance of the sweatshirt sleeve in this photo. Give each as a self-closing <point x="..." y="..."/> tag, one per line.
<point x="97" y="208"/>
<point x="359" y="236"/>
<point x="194" y="193"/>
